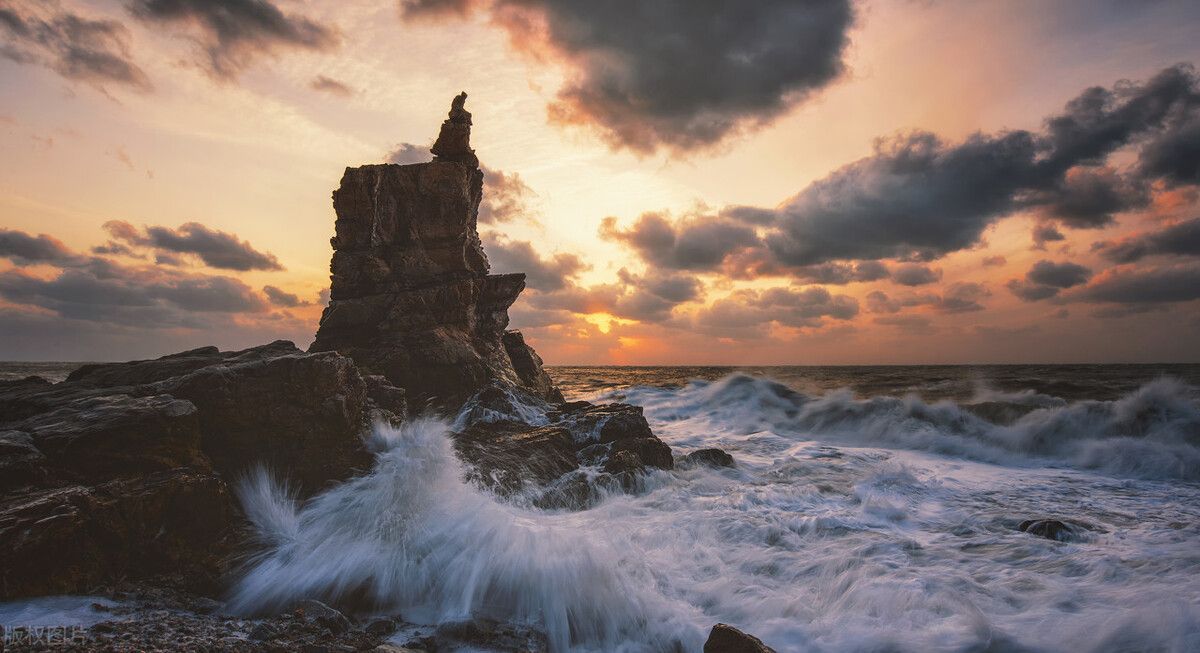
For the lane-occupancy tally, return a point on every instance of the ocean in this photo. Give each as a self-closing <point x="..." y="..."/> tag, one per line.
<point x="870" y="509"/>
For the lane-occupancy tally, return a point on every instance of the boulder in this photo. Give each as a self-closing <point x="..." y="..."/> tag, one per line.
<point x="707" y="458"/>
<point x="726" y="639"/>
<point x="411" y="296"/>
<point x="1051" y="529"/>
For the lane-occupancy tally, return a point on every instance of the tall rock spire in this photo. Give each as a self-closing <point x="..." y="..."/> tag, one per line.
<point x="411" y="296"/>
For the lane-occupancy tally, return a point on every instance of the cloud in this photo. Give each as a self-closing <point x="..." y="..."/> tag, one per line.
<point x="918" y="197"/>
<point x="217" y="249"/>
<point x="143" y="297"/>
<point x="330" y="85"/>
<point x="554" y="273"/>
<point x="693" y="243"/>
<point x="653" y="297"/>
<point x="913" y="274"/>
<point x="1158" y="285"/>
<point x="1047" y="278"/>
<point x="674" y="74"/>
<point x="751" y="313"/>
<point x="913" y="324"/>
<point x="407" y="153"/>
<point x="505" y="197"/>
<point x="231" y="34"/>
<point x="1175" y="155"/>
<point x="24" y="248"/>
<point x="993" y="261"/>
<point x="962" y="297"/>
<point x="1087" y="198"/>
<point x="74" y="46"/>
<point x="285" y="299"/>
<point x="1182" y="239"/>
<point x="1045" y="233"/>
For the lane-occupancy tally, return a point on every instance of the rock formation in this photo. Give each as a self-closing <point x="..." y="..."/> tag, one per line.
<point x="411" y="296"/>
<point x="726" y="639"/>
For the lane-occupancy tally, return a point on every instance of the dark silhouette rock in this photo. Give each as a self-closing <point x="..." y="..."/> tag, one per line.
<point x="707" y="458"/>
<point x="454" y="140"/>
<point x="727" y="639"/>
<point x="411" y="298"/>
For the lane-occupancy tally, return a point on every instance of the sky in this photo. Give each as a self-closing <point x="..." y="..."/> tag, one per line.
<point x="683" y="181"/>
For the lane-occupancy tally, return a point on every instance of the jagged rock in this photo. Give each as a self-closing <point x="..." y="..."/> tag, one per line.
<point x="411" y="297"/>
<point x="507" y="457"/>
<point x="603" y="422"/>
<point x="69" y="539"/>
<point x="332" y="620"/>
<point x="726" y="639"/>
<point x="707" y="458"/>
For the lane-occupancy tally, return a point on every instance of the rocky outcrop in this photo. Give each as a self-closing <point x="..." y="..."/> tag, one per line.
<point x="123" y="470"/>
<point x="555" y="455"/>
<point x="726" y="639"/>
<point x="707" y="458"/>
<point x="411" y="296"/>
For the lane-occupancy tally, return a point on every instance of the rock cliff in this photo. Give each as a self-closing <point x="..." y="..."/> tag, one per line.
<point x="411" y="295"/>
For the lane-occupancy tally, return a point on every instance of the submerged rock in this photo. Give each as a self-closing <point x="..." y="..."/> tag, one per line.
<point x="1051" y="529"/>
<point x="411" y="295"/>
<point x="707" y="458"/>
<point x="726" y="639"/>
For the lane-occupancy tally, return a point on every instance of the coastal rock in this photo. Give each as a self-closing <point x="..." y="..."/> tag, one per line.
<point x="301" y="415"/>
<point x="411" y="296"/>
<point x="69" y="539"/>
<point x="707" y="458"/>
<point x="101" y="438"/>
<point x="726" y="639"/>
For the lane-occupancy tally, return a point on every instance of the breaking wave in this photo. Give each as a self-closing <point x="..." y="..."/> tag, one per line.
<point x="1152" y="433"/>
<point x="412" y="537"/>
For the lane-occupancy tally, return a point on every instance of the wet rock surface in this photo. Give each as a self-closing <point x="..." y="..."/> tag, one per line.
<point x="411" y="296"/>
<point x="1052" y="529"/>
<point x="726" y="639"/>
<point x="707" y="458"/>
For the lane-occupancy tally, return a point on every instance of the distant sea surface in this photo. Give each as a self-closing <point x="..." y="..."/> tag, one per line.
<point x="871" y="508"/>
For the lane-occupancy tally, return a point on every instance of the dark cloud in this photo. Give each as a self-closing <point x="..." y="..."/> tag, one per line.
<point x="675" y="74"/>
<point x="1089" y="197"/>
<point x="914" y="274"/>
<point x="1059" y="275"/>
<point x="1047" y="278"/>
<point x="217" y="249"/>
<point x="993" y="261"/>
<point x="114" y="248"/>
<point x="144" y="297"/>
<point x="1175" y="155"/>
<point x="330" y="85"/>
<point x="231" y="34"/>
<point x="1045" y="233"/>
<point x="652" y="297"/>
<point x="548" y="274"/>
<point x="279" y="297"/>
<point x="24" y="248"/>
<point x="1182" y="239"/>
<point x="1158" y="285"/>
<point x="695" y="243"/>
<point x="74" y="46"/>
<point x="919" y="198"/>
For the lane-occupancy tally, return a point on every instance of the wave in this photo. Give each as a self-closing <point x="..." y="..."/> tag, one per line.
<point x="413" y="537"/>
<point x="1151" y="433"/>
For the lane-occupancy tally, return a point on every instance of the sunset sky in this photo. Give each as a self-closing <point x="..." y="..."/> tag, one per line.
<point x="684" y="181"/>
